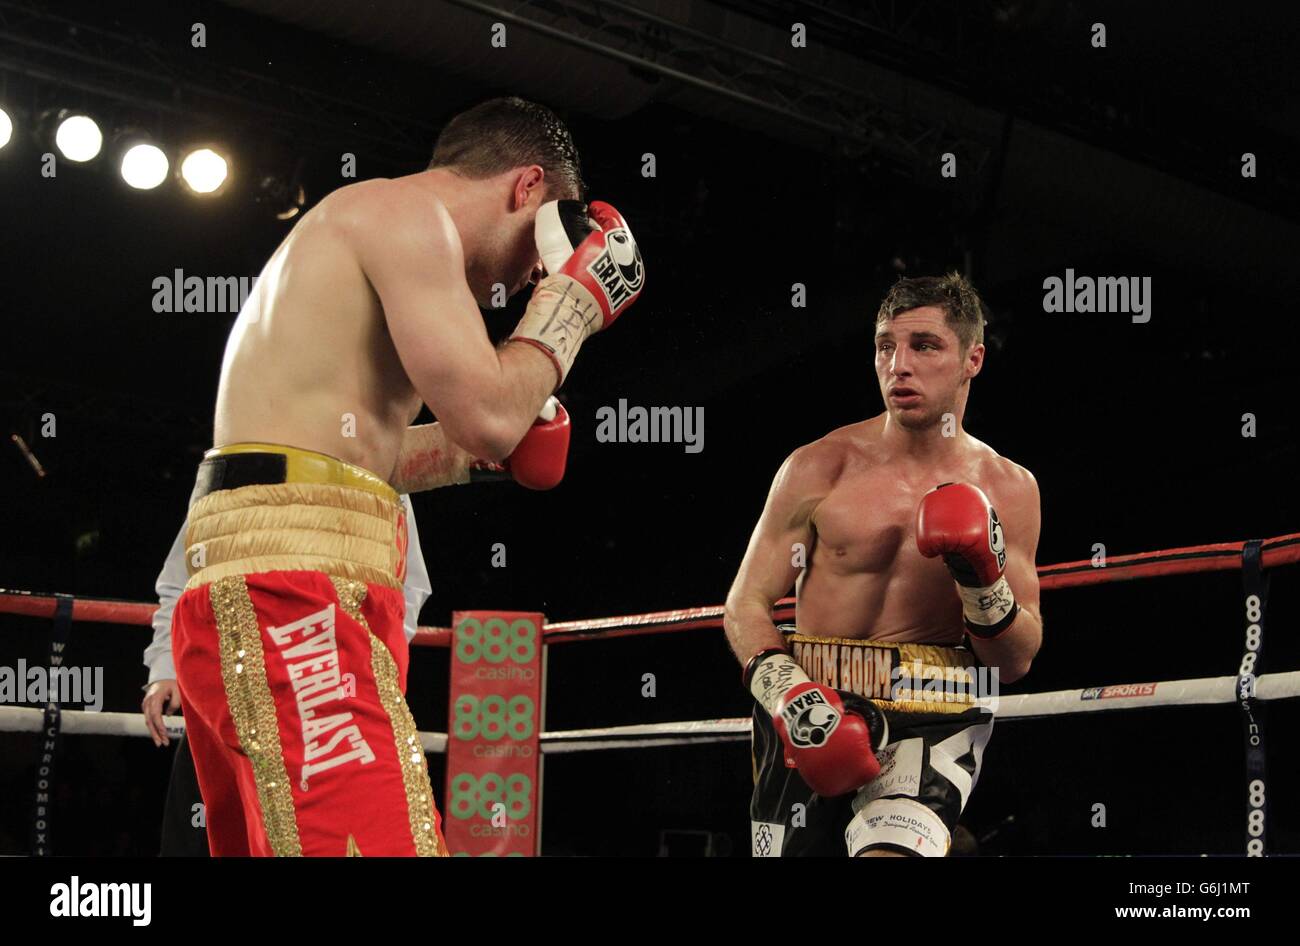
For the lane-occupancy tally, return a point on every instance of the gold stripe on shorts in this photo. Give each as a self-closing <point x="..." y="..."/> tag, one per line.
<point x="406" y="738"/>
<point x="243" y="672"/>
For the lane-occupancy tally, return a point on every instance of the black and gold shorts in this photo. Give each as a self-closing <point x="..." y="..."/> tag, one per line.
<point x="930" y="757"/>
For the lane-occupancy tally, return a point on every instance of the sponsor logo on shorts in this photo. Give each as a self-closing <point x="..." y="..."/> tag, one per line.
<point x="1119" y="692"/>
<point x="866" y="671"/>
<point x="876" y="673"/>
<point x="900" y="772"/>
<point x="899" y="823"/>
<point x="310" y="650"/>
<point x="767" y="838"/>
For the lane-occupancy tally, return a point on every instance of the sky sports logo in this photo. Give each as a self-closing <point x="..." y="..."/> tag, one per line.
<point x="1118" y="692"/>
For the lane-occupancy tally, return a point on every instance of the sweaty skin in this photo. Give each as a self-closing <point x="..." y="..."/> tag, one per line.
<point x="848" y="502"/>
<point x="846" y="506"/>
<point x="368" y="309"/>
<point x="865" y="577"/>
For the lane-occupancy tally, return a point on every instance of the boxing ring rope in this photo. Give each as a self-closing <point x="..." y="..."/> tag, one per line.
<point x="1200" y="691"/>
<point x="1244" y="688"/>
<point x="1223" y="556"/>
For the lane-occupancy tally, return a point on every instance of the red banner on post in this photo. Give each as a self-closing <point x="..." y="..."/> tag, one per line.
<point x="494" y="759"/>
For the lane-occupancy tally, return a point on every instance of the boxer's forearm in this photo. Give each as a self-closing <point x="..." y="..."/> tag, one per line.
<point x="749" y="627"/>
<point x="528" y="388"/>
<point x="429" y="460"/>
<point x="1013" y="651"/>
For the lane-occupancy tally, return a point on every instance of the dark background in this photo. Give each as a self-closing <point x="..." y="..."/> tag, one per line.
<point x="1122" y="161"/>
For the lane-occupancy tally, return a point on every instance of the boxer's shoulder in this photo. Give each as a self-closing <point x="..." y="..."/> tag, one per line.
<point x="823" y="462"/>
<point x="1000" y="474"/>
<point x="809" y="472"/>
<point x="853" y="446"/>
<point x="394" y="208"/>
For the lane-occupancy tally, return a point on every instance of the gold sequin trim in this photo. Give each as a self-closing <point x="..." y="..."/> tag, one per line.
<point x="243" y="671"/>
<point x="406" y="738"/>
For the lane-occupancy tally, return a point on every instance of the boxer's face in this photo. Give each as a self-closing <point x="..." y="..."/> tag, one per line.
<point x="508" y="254"/>
<point x="921" y="366"/>
<point x="509" y="258"/>
<point x="522" y="266"/>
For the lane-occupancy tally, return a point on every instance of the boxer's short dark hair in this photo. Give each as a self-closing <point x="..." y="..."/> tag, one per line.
<point x="505" y="133"/>
<point x="964" y="310"/>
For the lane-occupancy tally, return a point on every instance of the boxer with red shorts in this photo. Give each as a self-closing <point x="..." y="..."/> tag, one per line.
<point x="288" y="639"/>
<point x="290" y="647"/>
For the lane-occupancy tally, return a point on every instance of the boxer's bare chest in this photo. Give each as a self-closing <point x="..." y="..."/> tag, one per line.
<point x="867" y="522"/>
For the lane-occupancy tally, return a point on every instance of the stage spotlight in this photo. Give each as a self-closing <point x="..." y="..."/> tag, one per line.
<point x="144" y="166"/>
<point x="78" y="137"/>
<point x="6" y="128"/>
<point x="204" y="171"/>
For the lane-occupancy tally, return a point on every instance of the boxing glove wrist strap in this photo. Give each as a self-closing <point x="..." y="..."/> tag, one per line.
<point x="990" y="610"/>
<point x="560" y="316"/>
<point x="771" y="674"/>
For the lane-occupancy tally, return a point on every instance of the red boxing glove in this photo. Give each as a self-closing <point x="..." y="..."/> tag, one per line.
<point x="957" y="521"/>
<point x="538" y="460"/>
<point x="593" y="276"/>
<point x="832" y="747"/>
<point x="607" y="263"/>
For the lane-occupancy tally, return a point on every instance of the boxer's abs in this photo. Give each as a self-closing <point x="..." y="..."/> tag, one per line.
<point x="865" y="577"/>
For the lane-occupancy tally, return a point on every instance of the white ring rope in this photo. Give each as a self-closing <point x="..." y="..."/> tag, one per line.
<point x="1203" y="691"/>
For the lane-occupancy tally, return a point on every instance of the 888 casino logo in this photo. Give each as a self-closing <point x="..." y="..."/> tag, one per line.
<point x="496" y="641"/>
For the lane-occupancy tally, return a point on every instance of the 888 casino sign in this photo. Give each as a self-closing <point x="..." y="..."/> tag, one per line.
<point x="493" y="749"/>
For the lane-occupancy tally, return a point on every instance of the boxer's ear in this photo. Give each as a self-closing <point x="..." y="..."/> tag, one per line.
<point x="530" y="187"/>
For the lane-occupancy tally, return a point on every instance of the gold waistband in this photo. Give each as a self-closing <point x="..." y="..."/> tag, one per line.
<point x="307" y="466"/>
<point x="329" y="516"/>
<point x="903" y="677"/>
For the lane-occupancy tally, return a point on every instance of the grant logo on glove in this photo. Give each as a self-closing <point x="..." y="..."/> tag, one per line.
<point x="618" y="270"/>
<point x="809" y="719"/>
<point x="997" y="541"/>
<point x="594" y="273"/>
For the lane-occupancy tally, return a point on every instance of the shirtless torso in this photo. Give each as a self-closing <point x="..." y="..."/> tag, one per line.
<point x="370" y="309"/>
<point x="310" y="362"/>
<point x="840" y="527"/>
<point x="865" y="577"/>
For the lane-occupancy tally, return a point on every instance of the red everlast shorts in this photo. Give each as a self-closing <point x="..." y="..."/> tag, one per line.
<point x="291" y="660"/>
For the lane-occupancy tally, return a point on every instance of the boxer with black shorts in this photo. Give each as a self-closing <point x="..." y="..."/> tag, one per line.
<point x="914" y="598"/>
